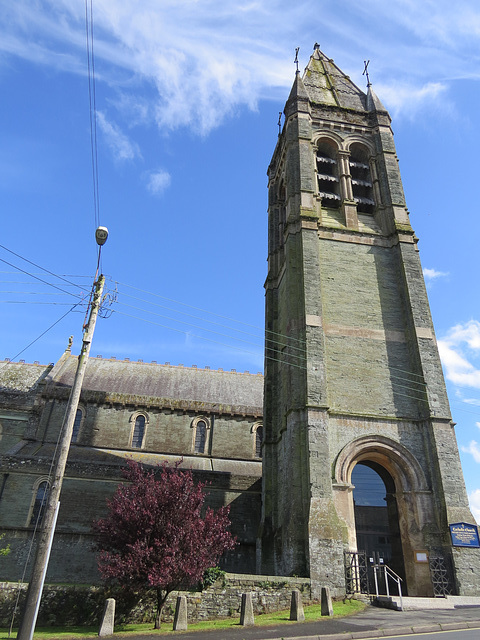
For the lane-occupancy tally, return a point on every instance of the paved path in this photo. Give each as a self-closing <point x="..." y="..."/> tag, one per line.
<point x="373" y="622"/>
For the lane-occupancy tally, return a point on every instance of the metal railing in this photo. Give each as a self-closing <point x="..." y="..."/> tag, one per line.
<point x="387" y="573"/>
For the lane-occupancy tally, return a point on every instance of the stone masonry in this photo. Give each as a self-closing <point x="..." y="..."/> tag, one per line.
<point x="356" y="376"/>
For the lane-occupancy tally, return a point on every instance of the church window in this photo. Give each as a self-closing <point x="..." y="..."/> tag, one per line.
<point x="200" y="437"/>
<point x="138" y="431"/>
<point x="258" y="441"/>
<point x="201" y="428"/>
<point x="327" y="175"/>
<point x="77" y="424"/>
<point x="257" y="434"/>
<point x="362" y="186"/>
<point x="39" y="503"/>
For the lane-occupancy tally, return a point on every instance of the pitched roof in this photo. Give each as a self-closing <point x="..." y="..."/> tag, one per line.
<point x="141" y="379"/>
<point x="327" y="84"/>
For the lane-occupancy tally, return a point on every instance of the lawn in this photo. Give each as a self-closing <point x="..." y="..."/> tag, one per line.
<point x="312" y="613"/>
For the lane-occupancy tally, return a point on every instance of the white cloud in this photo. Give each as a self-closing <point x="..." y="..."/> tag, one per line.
<point x="122" y="147"/>
<point x="478" y="424"/>
<point x="158" y="181"/>
<point x="474" y="449"/>
<point x="433" y="274"/>
<point x="459" y="350"/>
<point x="474" y="498"/>
<point x="204" y="60"/>
<point x="473" y="401"/>
<point x="409" y="99"/>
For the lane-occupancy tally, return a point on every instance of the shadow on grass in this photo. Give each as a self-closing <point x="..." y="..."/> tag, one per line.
<point x="312" y="613"/>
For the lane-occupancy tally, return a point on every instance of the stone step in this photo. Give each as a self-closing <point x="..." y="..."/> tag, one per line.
<point x="418" y="604"/>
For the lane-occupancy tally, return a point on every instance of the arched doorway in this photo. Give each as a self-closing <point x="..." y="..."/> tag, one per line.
<point x="376" y="516"/>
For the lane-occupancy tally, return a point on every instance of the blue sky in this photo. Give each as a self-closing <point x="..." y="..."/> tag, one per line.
<point x="187" y="95"/>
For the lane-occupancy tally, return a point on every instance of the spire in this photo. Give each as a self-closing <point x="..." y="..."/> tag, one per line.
<point x="298" y="100"/>
<point x="373" y="101"/>
<point x="327" y="84"/>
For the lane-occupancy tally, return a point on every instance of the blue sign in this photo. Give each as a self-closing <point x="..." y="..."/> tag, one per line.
<point x="464" y="535"/>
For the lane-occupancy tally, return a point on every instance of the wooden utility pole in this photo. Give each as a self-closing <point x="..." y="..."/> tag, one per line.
<point x="35" y="587"/>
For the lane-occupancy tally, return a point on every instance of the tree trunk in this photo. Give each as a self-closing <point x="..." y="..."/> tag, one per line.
<point x="160" y="602"/>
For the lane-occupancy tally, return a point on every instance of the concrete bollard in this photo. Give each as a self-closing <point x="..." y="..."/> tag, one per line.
<point x="108" y="620"/>
<point x="327" y="609"/>
<point x="296" y="607"/>
<point x="246" y="612"/>
<point x="180" y="620"/>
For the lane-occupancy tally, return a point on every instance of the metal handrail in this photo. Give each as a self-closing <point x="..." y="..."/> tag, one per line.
<point x="389" y="573"/>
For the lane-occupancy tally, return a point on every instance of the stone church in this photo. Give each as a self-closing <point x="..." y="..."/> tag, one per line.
<point x="344" y="452"/>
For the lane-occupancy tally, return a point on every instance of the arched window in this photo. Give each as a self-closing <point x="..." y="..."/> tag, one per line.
<point x="138" y="431"/>
<point x="200" y="436"/>
<point x="362" y="186"/>
<point x="327" y="175"/>
<point x="376" y="514"/>
<point x="258" y="441"/>
<point x="257" y="434"/>
<point x="76" y="425"/>
<point x="39" y="503"/>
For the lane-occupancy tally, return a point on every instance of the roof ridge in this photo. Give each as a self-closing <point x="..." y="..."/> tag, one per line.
<point x="172" y="366"/>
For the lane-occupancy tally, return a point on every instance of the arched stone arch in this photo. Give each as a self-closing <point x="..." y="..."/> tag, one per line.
<point x="139" y="421"/>
<point x="361" y="141"/>
<point x="200" y="435"/>
<point x="394" y="457"/>
<point x="40" y="491"/>
<point x="258" y="435"/>
<point x="412" y="493"/>
<point x="329" y="171"/>
<point x="331" y="137"/>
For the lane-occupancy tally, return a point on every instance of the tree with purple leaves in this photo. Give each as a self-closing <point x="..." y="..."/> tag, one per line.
<point x="157" y="534"/>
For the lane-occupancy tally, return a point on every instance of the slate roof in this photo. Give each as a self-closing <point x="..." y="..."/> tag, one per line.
<point x="141" y="379"/>
<point x="326" y="84"/>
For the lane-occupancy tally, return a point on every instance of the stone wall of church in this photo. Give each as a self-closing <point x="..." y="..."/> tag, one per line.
<point x="31" y="415"/>
<point x="77" y="605"/>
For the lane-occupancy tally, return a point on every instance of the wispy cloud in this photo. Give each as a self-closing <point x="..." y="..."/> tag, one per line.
<point x="474" y="449"/>
<point x="474" y="498"/>
<point x="201" y="61"/>
<point x="433" y="274"/>
<point x="158" y="181"/>
<point x="399" y="96"/>
<point x="121" y="146"/>
<point x="459" y="351"/>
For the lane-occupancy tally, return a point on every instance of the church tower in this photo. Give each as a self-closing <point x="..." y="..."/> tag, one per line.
<point x="359" y="452"/>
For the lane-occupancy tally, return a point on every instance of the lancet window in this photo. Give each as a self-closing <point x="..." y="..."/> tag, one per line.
<point x="138" y="432"/>
<point x="327" y="175"/>
<point x="362" y="186"/>
<point x="77" y="424"/>
<point x="39" y="503"/>
<point x="201" y="428"/>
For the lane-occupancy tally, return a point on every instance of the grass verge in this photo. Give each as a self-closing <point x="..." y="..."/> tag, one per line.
<point x="312" y="613"/>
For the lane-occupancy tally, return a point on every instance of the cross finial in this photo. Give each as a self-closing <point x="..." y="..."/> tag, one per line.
<point x="296" y="57"/>
<point x="365" y="72"/>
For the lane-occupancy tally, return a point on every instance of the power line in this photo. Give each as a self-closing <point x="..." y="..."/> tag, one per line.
<point x="183" y="304"/>
<point x="60" y="304"/>
<point x="219" y="324"/>
<point x="194" y="326"/>
<point x="40" y="336"/>
<point x="40" y="279"/>
<point x="230" y="346"/>
<point x="35" y="265"/>
<point x="93" y="109"/>
<point x="63" y="275"/>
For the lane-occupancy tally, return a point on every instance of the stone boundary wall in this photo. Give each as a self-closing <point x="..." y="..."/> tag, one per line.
<point x="84" y="605"/>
